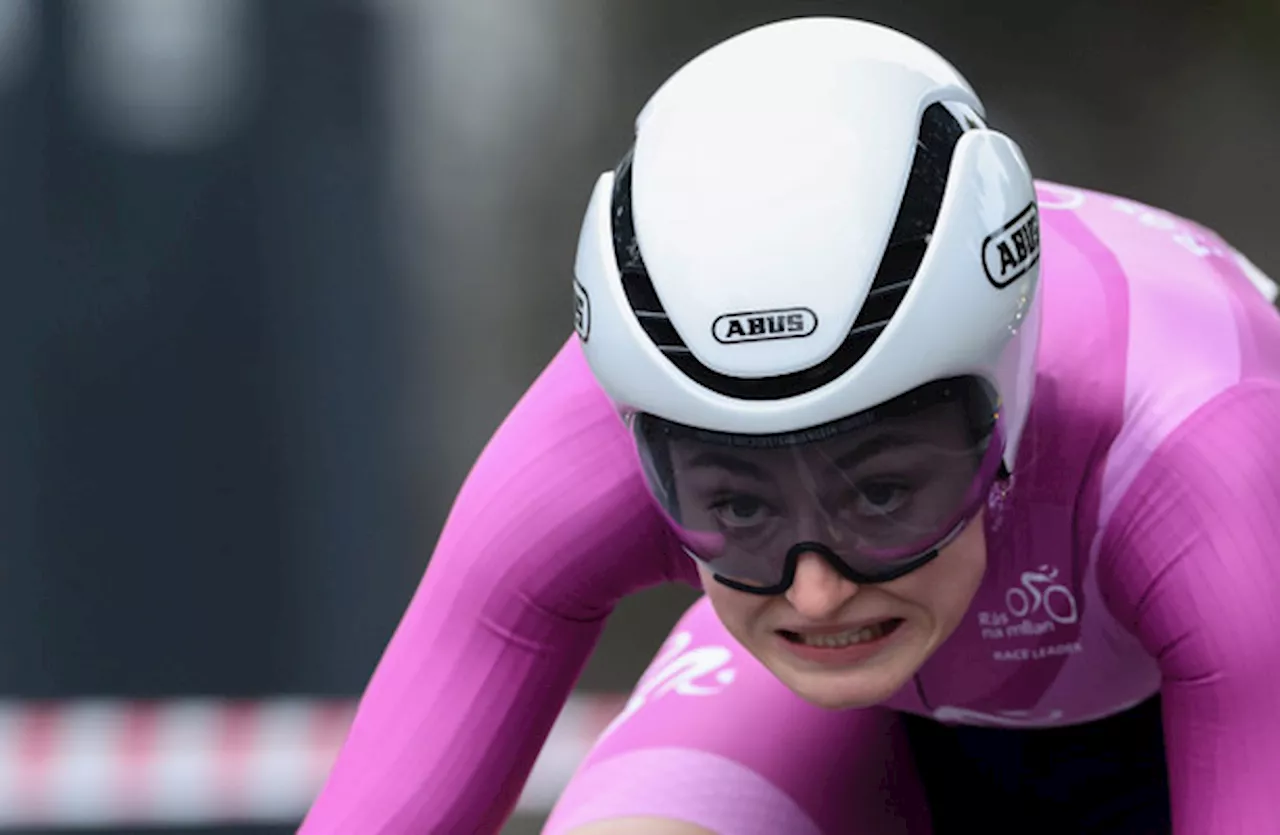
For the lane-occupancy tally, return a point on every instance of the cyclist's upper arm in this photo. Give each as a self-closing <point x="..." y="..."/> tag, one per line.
<point x="1189" y="564"/>
<point x="551" y="528"/>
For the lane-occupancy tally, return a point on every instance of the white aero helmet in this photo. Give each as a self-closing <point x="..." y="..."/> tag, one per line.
<point x="809" y="290"/>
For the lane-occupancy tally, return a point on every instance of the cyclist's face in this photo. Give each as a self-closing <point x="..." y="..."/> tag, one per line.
<point x="909" y="617"/>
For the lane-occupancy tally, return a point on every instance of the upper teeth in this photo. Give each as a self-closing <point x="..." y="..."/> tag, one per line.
<point x="844" y="639"/>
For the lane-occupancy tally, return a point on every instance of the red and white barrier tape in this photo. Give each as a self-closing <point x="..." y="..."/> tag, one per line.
<point x="207" y="762"/>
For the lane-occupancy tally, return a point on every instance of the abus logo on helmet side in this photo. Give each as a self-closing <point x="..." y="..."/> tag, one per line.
<point x="1012" y="250"/>
<point x="581" y="311"/>
<point x="758" y="325"/>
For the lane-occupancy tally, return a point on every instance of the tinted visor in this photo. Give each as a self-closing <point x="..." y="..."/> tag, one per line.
<point x="877" y="494"/>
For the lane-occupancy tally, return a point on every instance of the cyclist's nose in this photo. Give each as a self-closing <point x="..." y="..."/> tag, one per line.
<point x="818" y="591"/>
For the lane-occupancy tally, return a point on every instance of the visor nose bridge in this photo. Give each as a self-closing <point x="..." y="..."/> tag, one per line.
<point x="815" y="523"/>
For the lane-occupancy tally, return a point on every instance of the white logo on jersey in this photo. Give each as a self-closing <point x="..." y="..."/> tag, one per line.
<point x="678" y="671"/>
<point x="1054" y="599"/>
<point x="1035" y="607"/>
<point x="1265" y="284"/>
<point x="1054" y="196"/>
<point x="1189" y="238"/>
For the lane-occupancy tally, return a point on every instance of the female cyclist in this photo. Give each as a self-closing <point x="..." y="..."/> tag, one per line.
<point x="976" y="474"/>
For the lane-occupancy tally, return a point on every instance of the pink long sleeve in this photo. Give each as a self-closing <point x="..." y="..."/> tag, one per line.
<point x="550" y="530"/>
<point x="1190" y="565"/>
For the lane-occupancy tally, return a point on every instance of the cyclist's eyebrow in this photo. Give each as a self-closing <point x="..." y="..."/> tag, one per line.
<point x="731" y="463"/>
<point x="874" y="446"/>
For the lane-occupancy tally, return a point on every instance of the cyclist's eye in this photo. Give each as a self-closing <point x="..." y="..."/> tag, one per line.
<point x="740" y="511"/>
<point x="880" y="498"/>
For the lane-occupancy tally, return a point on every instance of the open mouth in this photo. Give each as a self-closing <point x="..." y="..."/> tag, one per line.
<point x="837" y="640"/>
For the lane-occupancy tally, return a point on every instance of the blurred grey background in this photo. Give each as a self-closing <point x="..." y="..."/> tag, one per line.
<point x="274" y="271"/>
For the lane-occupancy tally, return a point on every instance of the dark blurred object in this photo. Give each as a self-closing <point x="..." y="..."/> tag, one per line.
<point x="206" y="354"/>
<point x="199" y="359"/>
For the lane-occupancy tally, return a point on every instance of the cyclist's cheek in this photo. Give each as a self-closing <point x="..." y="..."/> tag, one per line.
<point x="943" y="590"/>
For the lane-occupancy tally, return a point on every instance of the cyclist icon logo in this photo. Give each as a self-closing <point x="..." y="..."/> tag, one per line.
<point x="1038" y="593"/>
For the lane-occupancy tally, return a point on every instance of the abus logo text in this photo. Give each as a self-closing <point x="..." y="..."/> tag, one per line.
<point x="757" y="325"/>
<point x="1012" y="250"/>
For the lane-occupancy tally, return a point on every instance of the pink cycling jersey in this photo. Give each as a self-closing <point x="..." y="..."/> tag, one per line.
<point x="1134" y="552"/>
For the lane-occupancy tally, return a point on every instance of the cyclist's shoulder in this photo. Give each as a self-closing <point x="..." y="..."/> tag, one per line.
<point x="1148" y="316"/>
<point x="566" y="384"/>
<point x="562" y="460"/>
<point x="563" y="416"/>
<point x="1136" y="242"/>
<point x="1126" y="237"/>
<point x="1098" y="209"/>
